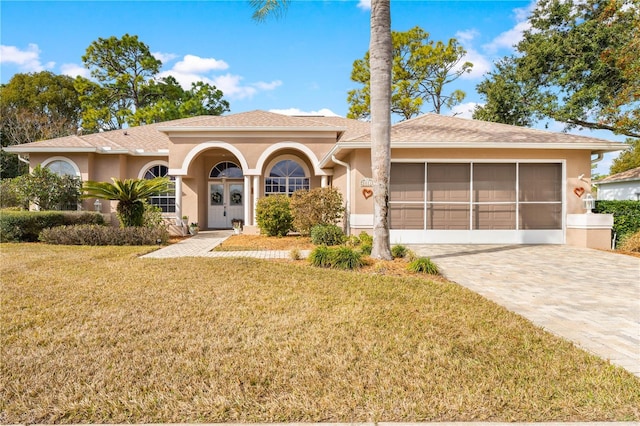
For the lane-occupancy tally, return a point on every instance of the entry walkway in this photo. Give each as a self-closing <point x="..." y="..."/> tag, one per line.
<point x="590" y="297"/>
<point x="201" y="245"/>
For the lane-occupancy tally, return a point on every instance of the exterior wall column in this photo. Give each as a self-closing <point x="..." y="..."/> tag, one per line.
<point x="178" y="190"/>
<point x="256" y="196"/>
<point x="247" y="197"/>
<point x="324" y="181"/>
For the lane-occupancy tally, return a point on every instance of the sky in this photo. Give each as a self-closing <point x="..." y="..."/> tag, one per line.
<point x="299" y="63"/>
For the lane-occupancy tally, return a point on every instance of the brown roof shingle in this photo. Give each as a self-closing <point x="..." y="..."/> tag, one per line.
<point x="633" y="174"/>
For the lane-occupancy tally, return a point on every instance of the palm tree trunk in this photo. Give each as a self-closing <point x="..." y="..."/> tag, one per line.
<point x="380" y="58"/>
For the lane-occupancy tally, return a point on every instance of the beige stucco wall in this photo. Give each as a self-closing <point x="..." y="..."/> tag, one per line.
<point x="577" y="163"/>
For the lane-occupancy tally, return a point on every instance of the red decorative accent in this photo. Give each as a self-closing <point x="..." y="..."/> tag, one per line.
<point x="368" y="193"/>
<point x="578" y="191"/>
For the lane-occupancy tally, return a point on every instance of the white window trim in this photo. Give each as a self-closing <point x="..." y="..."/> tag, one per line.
<point x="66" y="160"/>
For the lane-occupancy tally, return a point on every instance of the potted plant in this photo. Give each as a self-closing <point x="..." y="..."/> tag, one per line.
<point x="237" y="225"/>
<point x="193" y="228"/>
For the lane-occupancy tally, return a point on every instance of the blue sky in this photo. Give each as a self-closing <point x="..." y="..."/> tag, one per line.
<point x="299" y="63"/>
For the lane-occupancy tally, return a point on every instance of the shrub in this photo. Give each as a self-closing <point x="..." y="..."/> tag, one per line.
<point x="98" y="235"/>
<point x="336" y="257"/>
<point x="626" y="215"/>
<point x="328" y="235"/>
<point x="295" y="254"/>
<point x="318" y="206"/>
<point x="152" y="216"/>
<point x="321" y="257"/>
<point x="399" y="251"/>
<point x="47" y="190"/>
<point x="10" y="195"/>
<point x="631" y="243"/>
<point x="423" y="265"/>
<point x="26" y="225"/>
<point x="365" y="238"/>
<point x="365" y="248"/>
<point x="273" y="215"/>
<point x="345" y="258"/>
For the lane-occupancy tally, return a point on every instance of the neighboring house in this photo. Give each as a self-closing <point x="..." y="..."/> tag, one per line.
<point x="621" y="186"/>
<point x="453" y="180"/>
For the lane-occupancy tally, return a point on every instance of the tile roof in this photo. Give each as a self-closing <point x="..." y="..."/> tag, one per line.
<point x="628" y="175"/>
<point x="440" y="128"/>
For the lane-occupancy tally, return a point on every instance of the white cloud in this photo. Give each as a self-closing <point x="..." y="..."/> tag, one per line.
<point x="464" y="110"/>
<point x="192" y="69"/>
<point x="481" y="64"/>
<point x="513" y="36"/>
<point x="196" y="64"/>
<point x="296" y="111"/>
<point x="164" y="57"/>
<point x="27" y="60"/>
<point x="74" y="70"/>
<point x="267" y="86"/>
<point x="364" y="4"/>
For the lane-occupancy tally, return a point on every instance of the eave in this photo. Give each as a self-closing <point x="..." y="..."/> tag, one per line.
<point x="593" y="147"/>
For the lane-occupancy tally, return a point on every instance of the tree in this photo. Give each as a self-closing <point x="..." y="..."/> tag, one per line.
<point x="380" y="61"/>
<point x="34" y="107"/>
<point x="131" y="195"/>
<point x="577" y="64"/>
<point x="628" y="159"/>
<point x="421" y="70"/>
<point x="175" y="102"/>
<point x="380" y="53"/>
<point x="47" y="190"/>
<point x="127" y="92"/>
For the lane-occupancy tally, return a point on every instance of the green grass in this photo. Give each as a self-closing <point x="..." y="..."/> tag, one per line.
<point x="97" y="335"/>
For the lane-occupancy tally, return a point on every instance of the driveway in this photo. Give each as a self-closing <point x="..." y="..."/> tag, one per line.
<point x="590" y="297"/>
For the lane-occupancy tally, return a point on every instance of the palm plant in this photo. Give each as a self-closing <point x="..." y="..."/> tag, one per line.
<point x="131" y="195"/>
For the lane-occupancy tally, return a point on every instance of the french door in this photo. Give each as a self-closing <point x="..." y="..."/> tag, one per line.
<point x="226" y="201"/>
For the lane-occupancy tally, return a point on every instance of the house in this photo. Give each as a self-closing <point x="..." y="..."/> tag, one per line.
<point x="620" y="186"/>
<point x="453" y="180"/>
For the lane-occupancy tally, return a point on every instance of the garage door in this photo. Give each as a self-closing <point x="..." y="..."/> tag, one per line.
<point x="476" y="203"/>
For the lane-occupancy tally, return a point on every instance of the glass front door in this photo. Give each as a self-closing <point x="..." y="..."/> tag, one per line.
<point x="226" y="201"/>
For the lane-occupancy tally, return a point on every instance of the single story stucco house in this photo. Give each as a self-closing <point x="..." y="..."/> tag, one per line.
<point x="453" y="180"/>
<point x="620" y="186"/>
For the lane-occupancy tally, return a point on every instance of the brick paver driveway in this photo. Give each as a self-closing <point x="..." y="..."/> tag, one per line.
<point x="590" y="297"/>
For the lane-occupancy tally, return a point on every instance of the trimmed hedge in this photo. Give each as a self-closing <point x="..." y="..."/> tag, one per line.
<point x="626" y="215"/>
<point x="98" y="235"/>
<point x="18" y="226"/>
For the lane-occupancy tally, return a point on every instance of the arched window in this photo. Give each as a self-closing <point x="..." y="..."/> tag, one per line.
<point x="166" y="201"/>
<point x="286" y="177"/>
<point x="61" y="168"/>
<point x="225" y="169"/>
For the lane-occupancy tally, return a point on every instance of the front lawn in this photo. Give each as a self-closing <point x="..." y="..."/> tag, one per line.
<point x="97" y="335"/>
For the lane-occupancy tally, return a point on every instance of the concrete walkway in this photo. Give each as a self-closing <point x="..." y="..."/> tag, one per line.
<point x="589" y="297"/>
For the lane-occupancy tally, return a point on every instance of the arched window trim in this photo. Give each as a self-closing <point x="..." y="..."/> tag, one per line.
<point x="70" y="162"/>
<point x="228" y="166"/>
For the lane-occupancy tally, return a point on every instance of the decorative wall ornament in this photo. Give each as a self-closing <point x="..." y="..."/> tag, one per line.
<point x="579" y="191"/>
<point x="367" y="193"/>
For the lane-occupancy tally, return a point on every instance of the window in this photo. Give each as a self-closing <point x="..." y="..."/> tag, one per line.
<point x="61" y="168"/>
<point x="167" y="200"/>
<point x="286" y="177"/>
<point x="226" y="169"/>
